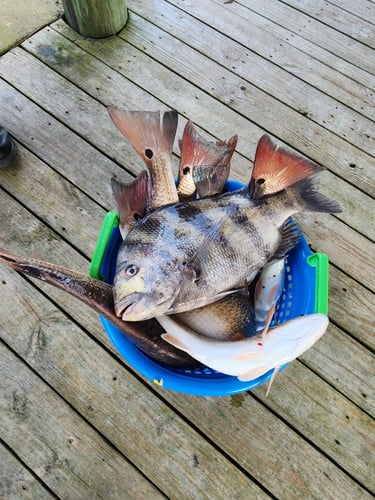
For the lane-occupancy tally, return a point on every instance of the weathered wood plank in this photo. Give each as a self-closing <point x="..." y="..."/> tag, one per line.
<point x="343" y="21"/>
<point x="356" y="215"/>
<point x="280" y="120"/>
<point x="301" y="87"/>
<point x="70" y="212"/>
<point x="337" y="356"/>
<point x="170" y="453"/>
<point x="290" y="393"/>
<point x="331" y="429"/>
<point x="346" y="295"/>
<point x="49" y="436"/>
<point x="276" y="45"/>
<point x="251" y="433"/>
<point x="361" y="8"/>
<point x="224" y="85"/>
<point x="16" y="481"/>
<point x="260" y="433"/>
<point x="77" y="110"/>
<point x="305" y="26"/>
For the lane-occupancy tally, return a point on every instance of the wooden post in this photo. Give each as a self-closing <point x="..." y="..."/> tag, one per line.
<point x="96" y="18"/>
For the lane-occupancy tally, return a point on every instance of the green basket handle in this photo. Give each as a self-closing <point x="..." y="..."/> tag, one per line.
<point x="320" y="262"/>
<point x="110" y="221"/>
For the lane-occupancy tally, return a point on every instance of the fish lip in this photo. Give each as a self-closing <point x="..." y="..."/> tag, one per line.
<point x="125" y="305"/>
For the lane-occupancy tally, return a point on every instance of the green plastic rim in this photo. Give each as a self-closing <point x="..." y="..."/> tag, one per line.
<point x="320" y="262"/>
<point x="111" y="220"/>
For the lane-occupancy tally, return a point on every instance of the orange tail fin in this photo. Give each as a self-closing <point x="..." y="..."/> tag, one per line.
<point x="276" y="168"/>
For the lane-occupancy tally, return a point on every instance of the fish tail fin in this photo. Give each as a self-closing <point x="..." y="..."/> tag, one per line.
<point x="210" y="179"/>
<point x="205" y="159"/>
<point x="196" y="150"/>
<point x="276" y="168"/>
<point x="131" y="199"/>
<point x="306" y="198"/>
<point x="145" y="132"/>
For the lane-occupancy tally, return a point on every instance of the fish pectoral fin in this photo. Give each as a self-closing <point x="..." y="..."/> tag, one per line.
<point x="290" y="236"/>
<point x="175" y="341"/>
<point x="268" y="321"/>
<point x="244" y="356"/>
<point x="252" y="373"/>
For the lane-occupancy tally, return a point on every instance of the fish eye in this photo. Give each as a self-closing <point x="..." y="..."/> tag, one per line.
<point x="131" y="270"/>
<point x="186" y="171"/>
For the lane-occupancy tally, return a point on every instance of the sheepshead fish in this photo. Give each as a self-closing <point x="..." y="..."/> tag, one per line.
<point x="187" y="255"/>
<point x="131" y="201"/>
<point x="204" y="165"/>
<point x="99" y="296"/>
<point x="251" y="357"/>
<point x="153" y="141"/>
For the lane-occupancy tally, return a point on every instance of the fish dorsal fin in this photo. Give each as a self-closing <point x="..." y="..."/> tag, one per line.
<point x="276" y="168"/>
<point x="131" y="199"/>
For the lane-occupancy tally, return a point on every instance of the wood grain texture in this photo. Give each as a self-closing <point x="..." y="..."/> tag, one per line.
<point x="16" y="481"/>
<point x="291" y="478"/>
<point x="274" y="42"/>
<point x="57" y="444"/>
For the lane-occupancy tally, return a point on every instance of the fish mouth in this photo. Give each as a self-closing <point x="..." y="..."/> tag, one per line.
<point x="124" y="308"/>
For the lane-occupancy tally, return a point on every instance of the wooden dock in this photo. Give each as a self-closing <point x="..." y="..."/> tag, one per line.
<point x="75" y="420"/>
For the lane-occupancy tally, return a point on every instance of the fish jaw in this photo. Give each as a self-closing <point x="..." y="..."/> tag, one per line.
<point x="133" y="303"/>
<point x="140" y="307"/>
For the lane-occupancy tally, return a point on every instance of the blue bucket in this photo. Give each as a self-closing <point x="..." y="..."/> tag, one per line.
<point x="305" y="292"/>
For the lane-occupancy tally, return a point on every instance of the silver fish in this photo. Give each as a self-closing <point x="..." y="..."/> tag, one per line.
<point x="252" y="357"/>
<point x="267" y="292"/>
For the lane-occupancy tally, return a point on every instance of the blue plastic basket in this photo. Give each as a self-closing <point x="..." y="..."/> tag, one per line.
<point x="305" y="292"/>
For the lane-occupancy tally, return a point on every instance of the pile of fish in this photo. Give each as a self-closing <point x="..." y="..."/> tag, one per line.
<point x="199" y="271"/>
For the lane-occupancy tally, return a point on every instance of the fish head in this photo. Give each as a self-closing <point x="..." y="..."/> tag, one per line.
<point x="289" y="340"/>
<point x="146" y="282"/>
